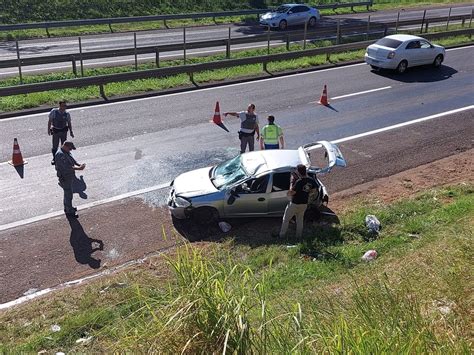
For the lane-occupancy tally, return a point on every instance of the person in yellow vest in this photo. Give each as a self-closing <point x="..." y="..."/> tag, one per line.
<point x="272" y="135"/>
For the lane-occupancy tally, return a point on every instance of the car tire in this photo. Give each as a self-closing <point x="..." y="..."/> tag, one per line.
<point x="282" y="25"/>
<point x="204" y="215"/>
<point x="312" y="22"/>
<point x="402" y="67"/>
<point x="438" y="61"/>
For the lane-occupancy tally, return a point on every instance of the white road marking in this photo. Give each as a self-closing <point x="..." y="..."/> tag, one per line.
<point x="284" y="77"/>
<point x="162" y="186"/>
<point x="357" y="93"/>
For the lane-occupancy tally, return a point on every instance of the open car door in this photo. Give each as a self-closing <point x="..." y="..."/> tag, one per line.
<point x="329" y="157"/>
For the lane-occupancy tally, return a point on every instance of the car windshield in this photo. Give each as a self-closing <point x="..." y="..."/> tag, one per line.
<point x="388" y="42"/>
<point x="282" y="9"/>
<point x="228" y="173"/>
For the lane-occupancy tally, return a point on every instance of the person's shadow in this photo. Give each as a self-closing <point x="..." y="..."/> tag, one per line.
<point x="83" y="245"/>
<point x="79" y="187"/>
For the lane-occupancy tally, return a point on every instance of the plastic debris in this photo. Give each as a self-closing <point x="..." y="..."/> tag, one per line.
<point x="84" y="341"/>
<point x="225" y="227"/>
<point x="370" y="255"/>
<point x="55" y="328"/>
<point x="373" y="224"/>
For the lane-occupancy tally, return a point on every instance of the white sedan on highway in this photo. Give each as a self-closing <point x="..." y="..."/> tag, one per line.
<point x="399" y="52"/>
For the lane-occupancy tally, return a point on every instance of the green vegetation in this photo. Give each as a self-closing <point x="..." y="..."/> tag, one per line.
<point x="17" y="102"/>
<point x="24" y="11"/>
<point x="316" y="296"/>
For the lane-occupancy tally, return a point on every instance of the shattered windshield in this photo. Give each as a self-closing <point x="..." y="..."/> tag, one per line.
<point x="228" y="173"/>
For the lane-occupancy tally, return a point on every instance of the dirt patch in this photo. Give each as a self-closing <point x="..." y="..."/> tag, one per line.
<point x="454" y="169"/>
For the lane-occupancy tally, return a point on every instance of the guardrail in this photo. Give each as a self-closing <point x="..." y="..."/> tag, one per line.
<point x="225" y="42"/>
<point x="195" y="68"/>
<point x="164" y="18"/>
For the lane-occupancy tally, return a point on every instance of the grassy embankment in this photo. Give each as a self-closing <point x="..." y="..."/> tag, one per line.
<point x="60" y="10"/>
<point x="317" y="296"/>
<point x="17" y="102"/>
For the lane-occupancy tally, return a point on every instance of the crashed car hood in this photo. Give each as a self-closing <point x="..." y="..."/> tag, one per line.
<point x="194" y="183"/>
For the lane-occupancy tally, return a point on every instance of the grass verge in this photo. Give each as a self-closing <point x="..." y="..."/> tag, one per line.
<point x="317" y="296"/>
<point x="18" y="102"/>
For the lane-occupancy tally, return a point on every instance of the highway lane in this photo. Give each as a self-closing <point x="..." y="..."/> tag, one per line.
<point x="47" y="253"/>
<point x="137" y="144"/>
<point x="51" y="46"/>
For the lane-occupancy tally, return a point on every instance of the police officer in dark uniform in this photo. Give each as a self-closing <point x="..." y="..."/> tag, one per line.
<point x="59" y="124"/>
<point x="66" y="166"/>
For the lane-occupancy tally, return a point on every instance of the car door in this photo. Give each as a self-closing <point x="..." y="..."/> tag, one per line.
<point x="292" y="16"/>
<point x="300" y="14"/>
<point x="278" y="198"/>
<point x="412" y="53"/>
<point x="321" y="160"/>
<point x="427" y="53"/>
<point x="248" y="198"/>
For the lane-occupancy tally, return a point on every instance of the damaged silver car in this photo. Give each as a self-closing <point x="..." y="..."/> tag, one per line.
<point x="253" y="184"/>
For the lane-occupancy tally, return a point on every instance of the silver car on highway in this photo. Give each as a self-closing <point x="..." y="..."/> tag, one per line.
<point x="399" y="52"/>
<point x="253" y="184"/>
<point x="290" y="15"/>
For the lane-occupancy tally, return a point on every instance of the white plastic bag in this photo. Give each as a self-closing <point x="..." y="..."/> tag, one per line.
<point x="370" y="255"/>
<point x="225" y="227"/>
<point x="373" y="224"/>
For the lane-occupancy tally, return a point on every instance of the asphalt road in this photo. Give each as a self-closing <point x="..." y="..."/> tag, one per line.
<point x="147" y="142"/>
<point x="53" y="46"/>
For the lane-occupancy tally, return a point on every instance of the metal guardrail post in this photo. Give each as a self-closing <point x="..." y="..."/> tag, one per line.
<point x="449" y="16"/>
<point x="184" y="44"/>
<point x="227" y="48"/>
<point x="305" y="34"/>
<point x="268" y="40"/>
<point x="47" y="31"/>
<point x="287" y="41"/>
<point x="396" y="24"/>
<point x="135" y="49"/>
<point x="338" y="34"/>
<point x="368" y="29"/>
<point x="80" y="57"/>
<point x="427" y="25"/>
<point x="470" y="20"/>
<point x="157" y="57"/>
<point x="19" y="61"/>
<point x="423" y="21"/>
<point x="110" y="27"/>
<point x="166" y="25"/>
<point x="102" y="92"/>
<point x="74" y="67"/>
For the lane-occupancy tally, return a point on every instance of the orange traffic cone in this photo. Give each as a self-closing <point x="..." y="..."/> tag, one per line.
<point x="217" y="118"/>
<point x="17" y="158"/>
<point x="324" y="97"/>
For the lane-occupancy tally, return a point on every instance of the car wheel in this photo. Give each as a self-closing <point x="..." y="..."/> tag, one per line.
<point x="312" y="22"/>
<point x="204" y="215"/>
<point x="374" y="67"/>
<point x="283" y="25"/>
<point x="402" y="67"/>
<point x="438" y="60"/>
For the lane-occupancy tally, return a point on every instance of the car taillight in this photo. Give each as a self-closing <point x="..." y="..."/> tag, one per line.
<point x="391" y="55"/>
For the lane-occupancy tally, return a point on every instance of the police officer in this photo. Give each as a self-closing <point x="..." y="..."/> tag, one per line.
<point x="66" y="166"/>
<point x="272" y="135"/>
<point x="58" y="124"/>
<point x="248" y="127"/>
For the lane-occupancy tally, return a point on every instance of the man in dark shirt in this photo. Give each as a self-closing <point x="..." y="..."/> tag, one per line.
<point x="66" y="166"/>
<point x="301" y="185"/>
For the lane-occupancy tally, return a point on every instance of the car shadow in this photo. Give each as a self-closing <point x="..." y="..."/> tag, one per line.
<point x="256" y="232"/>
<point x="422" y="74"/>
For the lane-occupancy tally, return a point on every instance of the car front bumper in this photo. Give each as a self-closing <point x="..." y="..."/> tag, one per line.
<point x="381" y="63"/>
<point x="269" y="23"/>
<point x="177" y="212"/>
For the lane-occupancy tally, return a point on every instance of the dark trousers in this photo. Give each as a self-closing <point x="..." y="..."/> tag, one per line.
<point x="244" y="140"/>
<point x="60" y="136"/>
<point x="66" y="184"/>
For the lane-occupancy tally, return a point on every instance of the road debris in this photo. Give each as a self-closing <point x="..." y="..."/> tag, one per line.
<point x="370" y="255"/>
<point x="55" y="328"/>
<point x="224" y="226"/>
<point x="373" y="224"/>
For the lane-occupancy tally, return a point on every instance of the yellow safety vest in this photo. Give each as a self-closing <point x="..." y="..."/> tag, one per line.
<point x="270" y="133"/>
